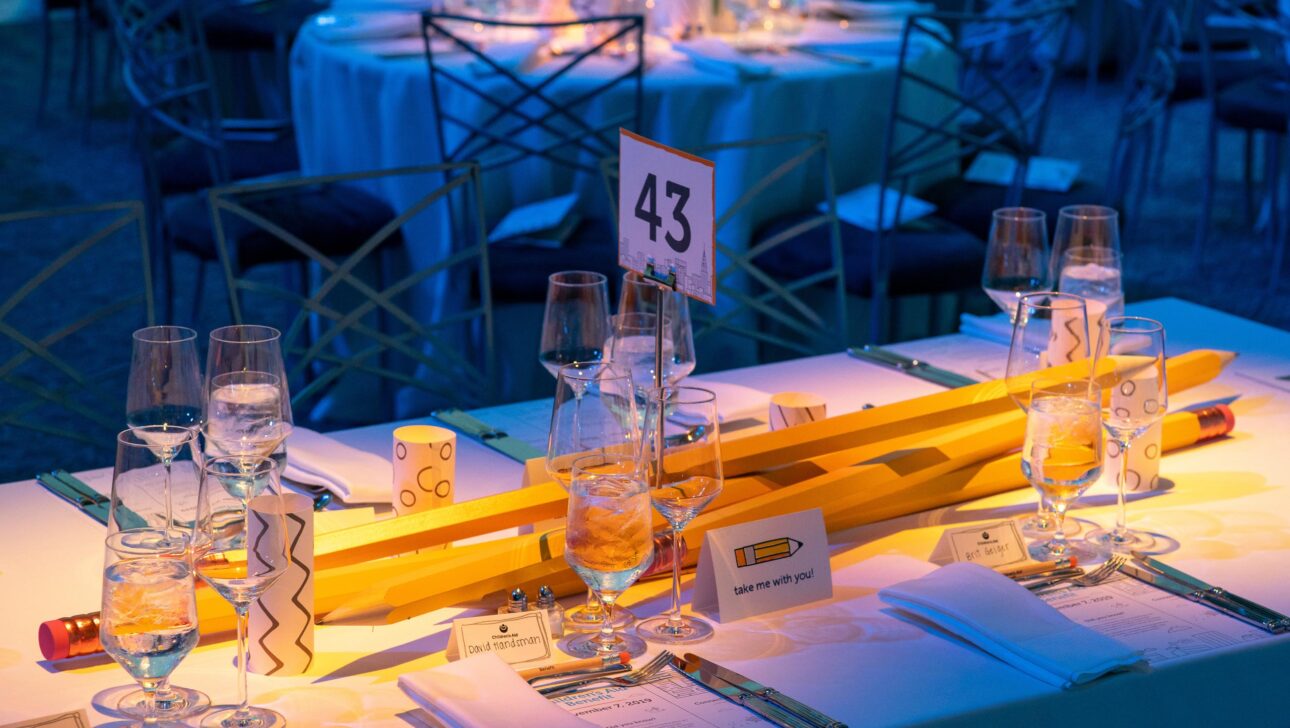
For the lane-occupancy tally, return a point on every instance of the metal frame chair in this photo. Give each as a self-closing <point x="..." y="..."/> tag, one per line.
<point x="1005" y="85"/>
<point x="63" y="383"/>
<point x="773" y="301"/>
<point x="311" y="354"/>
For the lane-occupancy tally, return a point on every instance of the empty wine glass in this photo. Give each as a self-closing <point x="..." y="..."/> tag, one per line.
<point x="1048" y="329"/>
<point x="1016" y="257"/>
<point x="240" y="548"/>
<point x="150" y="512"/>
<point x="1083" y="226"/>
<point x="1062" y="455"/>
<point x="1139" y="398"/>
<point x="642" y="296"/>
<point x="148" y="616"/>
<point x="594" y="412"/>
<point x="1095" y="275"/>
<point x="609" y="542"/>
<point x="682" y="460"/>
<point x="575" y="325"/>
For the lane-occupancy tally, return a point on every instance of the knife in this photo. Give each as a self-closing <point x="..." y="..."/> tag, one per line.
<point x="912" y="367"/>
<point x="1221" y="604"/>
<point x="1276" y="621"/>
<point x="90" y="506"/>
<point x="477" y="429"/>
<point x="735" y="694"/>
<point x="711" y="672"/>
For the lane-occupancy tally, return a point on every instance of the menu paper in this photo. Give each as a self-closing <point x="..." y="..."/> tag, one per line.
<point x="666" y="221"/>
<point x="763" y="566"/>
<point x="675" y="702"/>
<point x="522" y="639"/>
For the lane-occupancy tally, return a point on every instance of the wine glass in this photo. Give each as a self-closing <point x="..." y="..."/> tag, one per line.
<point x="576" y="323"/>
<point x="251" y="348"/>
<point x="1062" y="455"/>
<point x="164" y="396"/>
<point x="1083" y="226"/>
<point x="1139" y="398"/>
<point x="594" y="412"/>
<point x="142" y="520"/>
<point x="244" y="415"/>
<point x="239" y="503"/>
<point x="148" y="617"/>
<point x="642" y="296"/>
<point x="1048" y="329"/>
<point x="682" y="458"/>
<point x="1095" y="275"/>
<point x="609" y="542"/>
<point x="1016" y="257"/>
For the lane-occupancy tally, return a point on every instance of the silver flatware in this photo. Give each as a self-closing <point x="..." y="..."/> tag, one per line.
<point x="710" y="673"/>
<point x="1213" y="601"/>
<point x="912" y="367"/>
<point x="760" y="706"/>
<point x="1087" y="578"/>
<point x="649" y="672"/>
<point x="1273" y="620"/>
<point x="607" y="671"/>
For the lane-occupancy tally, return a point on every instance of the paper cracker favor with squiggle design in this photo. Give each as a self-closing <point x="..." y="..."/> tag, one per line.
<point x="281" y="625"/>
<point x="1066" y="344"/>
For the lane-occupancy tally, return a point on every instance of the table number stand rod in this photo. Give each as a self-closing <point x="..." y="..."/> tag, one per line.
<point x="666" y="284"/>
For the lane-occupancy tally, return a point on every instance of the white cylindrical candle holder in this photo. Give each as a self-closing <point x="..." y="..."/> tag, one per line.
<point x="281" y="622"/>
<point x="425" y="464"/>
<point x="788" y="409"/>
<point x="1138" y="396"/>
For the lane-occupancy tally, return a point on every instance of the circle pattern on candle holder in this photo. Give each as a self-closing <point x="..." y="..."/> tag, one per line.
<point x="400" y="450"/>
<point x="407" y="498"/>
<point x="445" y="451"/>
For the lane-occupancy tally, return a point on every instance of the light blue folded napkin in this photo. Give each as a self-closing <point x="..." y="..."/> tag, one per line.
<point x="1002" y="618"/>
<point x="994" y="328"/>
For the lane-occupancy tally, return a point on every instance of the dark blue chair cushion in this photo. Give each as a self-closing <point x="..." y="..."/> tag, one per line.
<point x="969" y="205"/>
<point x="1256" y="103"/>
<point x="519" y="273"/>
<point x="335" y="219"/>
<point x="182" y="165"/>
<point x="928" y="256"/>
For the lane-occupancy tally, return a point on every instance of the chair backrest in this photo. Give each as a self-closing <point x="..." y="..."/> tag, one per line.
<point x="347" y="329"/>
<point x="82" y="285"/>
<point x="551" y="98"/>
<point x="1263" y="24"/>
<point x="755" y="301"/>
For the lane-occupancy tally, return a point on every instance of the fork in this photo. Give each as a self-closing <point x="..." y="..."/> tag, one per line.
<point x="650" y="672"/>
<point x="1090" y="578"/>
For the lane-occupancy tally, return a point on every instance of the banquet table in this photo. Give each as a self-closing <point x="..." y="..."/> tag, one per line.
<point x="1229" y="509"/>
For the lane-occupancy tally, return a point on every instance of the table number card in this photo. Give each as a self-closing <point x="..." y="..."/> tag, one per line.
<point x="665" y="215"/>
<point x="522" y="639"/>
<point x="763" y="566"/>
<point x="990" y="544"/>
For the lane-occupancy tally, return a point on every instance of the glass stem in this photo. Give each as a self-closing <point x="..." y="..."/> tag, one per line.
<point x="605" y="642"/>
<point x="163" y="698"/>
<point x="674" y="622"/>
<point x="170" y="523"/>
<point x="1121" y="532"/>
<point x="1058" y="514"/>
<point x="243" y="655"/>
<point x="150" y="688"/>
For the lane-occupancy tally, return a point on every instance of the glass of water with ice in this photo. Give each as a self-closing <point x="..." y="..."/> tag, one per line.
<point x="1094" y="274"/>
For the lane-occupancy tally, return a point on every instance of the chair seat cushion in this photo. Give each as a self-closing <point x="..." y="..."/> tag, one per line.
<point x="334" y="219"/>
<point x="929" y="255"/>
<point x="970" y="205"/>
<point x="182" y="165"/>
<point x="519" y="273"/>
<point x="1256" y="103"/>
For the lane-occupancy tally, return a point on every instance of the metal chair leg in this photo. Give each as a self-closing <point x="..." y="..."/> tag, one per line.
<point x="46" y="55"/>
<point x="78" y="42"/>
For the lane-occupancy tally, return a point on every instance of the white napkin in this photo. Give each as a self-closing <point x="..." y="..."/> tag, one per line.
<point x="860" y="207"/>
<point x="342" y="26"/>
<point x="516" y="57"/>
<point x="353" y="475"/>
<point x="994" y="328"/>
<point x="735" y="401"/>
<point x="483" y="692"/>
<point x="716" y="56"/>
<point x="999" y="616"/>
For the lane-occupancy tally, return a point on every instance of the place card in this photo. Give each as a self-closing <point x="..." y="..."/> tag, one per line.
<point x="522" y="639"/>
<point x="72" y="719"/>
<point x="763" y="566"/>
<point x="667" y="227"/>
<point x="990" y="544"/>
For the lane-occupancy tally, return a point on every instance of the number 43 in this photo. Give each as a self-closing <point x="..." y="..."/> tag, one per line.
<point x="647" y="210"/>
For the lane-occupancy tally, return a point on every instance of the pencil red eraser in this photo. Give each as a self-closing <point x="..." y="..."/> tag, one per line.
<point x="54" y="641"/>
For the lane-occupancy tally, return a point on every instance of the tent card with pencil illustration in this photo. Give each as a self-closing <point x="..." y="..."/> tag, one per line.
<point x="763" y="566"/>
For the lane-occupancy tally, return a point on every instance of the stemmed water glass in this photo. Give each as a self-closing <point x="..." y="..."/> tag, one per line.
<point x="248" y="393"/>
<point x="1139" y="398"/>
<point x="635" y="329"/>
<point x="609" y="542"/>
<point x="575" y="325"/>
<point x="594" y="412"/>
<point x="1062" y="455"/>
<point x="142" y="522"/>
<point x="1083" y="226"/>
<point x="240" y="548"/>
<point x="682" y="460"/>
<point x="1016" y="257"/>
<point x="1095" y="275"/>
<point x="164" y="394"/>
<point x="1049" y="329"/>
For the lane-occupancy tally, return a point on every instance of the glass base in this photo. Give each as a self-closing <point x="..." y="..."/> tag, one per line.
<point x="660" y="629"/>
<point x="1129" y="540"/>
<point x="578" y="619"/>
<point x="585" y="645"/>
<point x="1034" y="527"/>
<point x="1084" y="551"/>
<point x="185" y="702"/>
<point x="230" y="717"/>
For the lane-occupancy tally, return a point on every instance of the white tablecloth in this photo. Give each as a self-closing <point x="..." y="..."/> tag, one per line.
<point x="1230" y="509"/>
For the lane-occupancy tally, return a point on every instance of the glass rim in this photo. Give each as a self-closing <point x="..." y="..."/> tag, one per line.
<point x="272" y="379"/>
<point x="1020" y="213"/>
<point x="134" y="441"/>
<point x="1149" y="325"/>
<point x="1089" y="212"/>
<point x="593" y="278"/>
<point x="586" y="371"/>
<point x="1069" y="300"/>
<point x="185" y="334"/>
<point x="161" y="548"/>
<point x="239" y="460"/>
<point x="265" y="334"/>
<point x="701" y="395"/>
<point x="1043" y="384"/>
<point x="1092" y="251"/>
